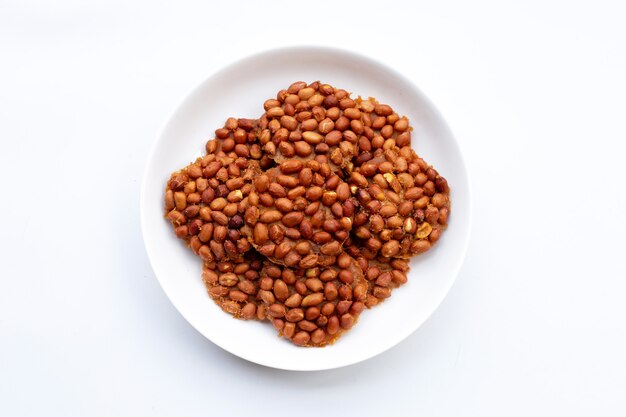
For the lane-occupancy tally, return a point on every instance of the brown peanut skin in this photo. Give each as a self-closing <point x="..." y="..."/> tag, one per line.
<point x="349" y="158"/>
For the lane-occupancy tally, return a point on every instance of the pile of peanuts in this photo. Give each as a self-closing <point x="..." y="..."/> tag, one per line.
<point x="308" y="215"/>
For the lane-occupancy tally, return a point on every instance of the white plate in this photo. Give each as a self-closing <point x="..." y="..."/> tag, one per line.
<point x="239" y="90"/>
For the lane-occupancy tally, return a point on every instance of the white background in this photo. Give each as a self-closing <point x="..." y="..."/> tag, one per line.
<point x="535" y="92"/>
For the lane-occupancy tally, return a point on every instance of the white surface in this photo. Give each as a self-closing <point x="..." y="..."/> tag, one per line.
<point x="241" y="89"/>
<point x="534" y="325"/>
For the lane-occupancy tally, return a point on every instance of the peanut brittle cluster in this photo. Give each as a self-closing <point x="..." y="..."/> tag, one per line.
<point x="309" y="214"/>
